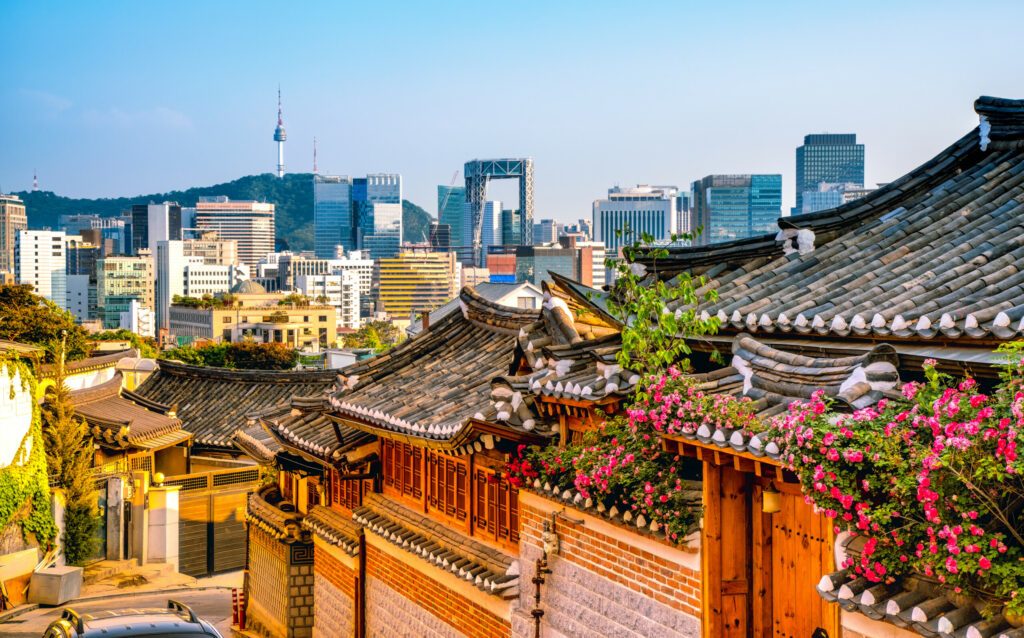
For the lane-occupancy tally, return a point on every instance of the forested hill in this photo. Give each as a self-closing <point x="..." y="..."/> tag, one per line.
<point x="292" y="197"/>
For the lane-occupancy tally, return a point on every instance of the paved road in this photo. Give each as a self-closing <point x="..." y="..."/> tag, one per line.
<point x="212" y="605"/>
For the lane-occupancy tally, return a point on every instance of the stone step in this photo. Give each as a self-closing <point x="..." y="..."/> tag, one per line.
<point x="106" y="568"/>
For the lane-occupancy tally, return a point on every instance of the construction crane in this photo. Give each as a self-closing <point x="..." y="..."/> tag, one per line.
<point x="444" y="202"/>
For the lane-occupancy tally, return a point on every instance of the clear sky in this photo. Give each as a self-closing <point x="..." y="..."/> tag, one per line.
<point x="108" y="99"/>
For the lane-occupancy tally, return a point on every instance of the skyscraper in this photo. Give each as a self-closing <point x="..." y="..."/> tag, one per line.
<point x="451" y="210"/>
<point x="152" y="223"/>
<point x="417" y="282"/>
<point x="249" y="223"/>
<point x="510" y="231"/>
<point x="12" y="220"/>
<point x="727" y="207"/>
<point x="357" y="213"/>
<point x="121" y="279"/>
<point x="628" y="213"/>
<point x="830" y="158"/>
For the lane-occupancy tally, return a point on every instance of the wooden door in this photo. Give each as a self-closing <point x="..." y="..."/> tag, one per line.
<point x="229" y="537"/>
<point x="727" y="553"/>
<point x="193" y="520"/>
<point x="801" y="552"/>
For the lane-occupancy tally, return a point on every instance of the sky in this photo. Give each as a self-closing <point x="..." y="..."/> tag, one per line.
<point x="111" y="99"/>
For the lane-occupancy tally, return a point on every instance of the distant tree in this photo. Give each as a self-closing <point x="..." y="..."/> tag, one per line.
<point x="69" y="459"/>
<point x="247" y="355"/>
<point x="377" y="335"/>
<point x="146" y="346"/>
<point x="295" y="298"/>
<point x="26" y="317"/>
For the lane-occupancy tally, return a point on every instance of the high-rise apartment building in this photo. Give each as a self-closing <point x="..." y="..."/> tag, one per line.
<point x="415" y="282"/>
<point x="249" y="223"/>
<point x="727" y="207"/>
<point x="119" y="280"/>
<point x="357" y="213"/>
<point x="13" y="219"/>
<point x="627" y="214"/>
<point x="830" y="158"/>
<point x="152" y="223"/>
<point x="40" y="260"/>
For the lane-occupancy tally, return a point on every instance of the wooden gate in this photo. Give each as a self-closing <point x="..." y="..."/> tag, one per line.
<point x="759" y="571"/>
<point x="801" y="551"/>
<point x="211" y="519"/>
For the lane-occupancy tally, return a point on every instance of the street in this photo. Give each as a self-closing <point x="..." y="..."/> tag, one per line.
<point x="212" y="605"/>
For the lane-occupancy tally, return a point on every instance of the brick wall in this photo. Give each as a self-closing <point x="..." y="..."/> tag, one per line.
<point x="333" y="596"/>
<point x="605" y="580"/>
<point x="402" y="600"/>
<point x="267" y="606"/>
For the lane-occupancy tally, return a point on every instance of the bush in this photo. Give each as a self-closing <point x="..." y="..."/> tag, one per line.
<point x="933" y="482"/>
<point x="80" y="527"/>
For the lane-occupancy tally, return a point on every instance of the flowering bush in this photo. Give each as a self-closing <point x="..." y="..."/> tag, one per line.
<point x="933" y="481"/>
<point x="621" y="467"/>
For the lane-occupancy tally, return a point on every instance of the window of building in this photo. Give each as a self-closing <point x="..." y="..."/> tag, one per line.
<point x="323" y="317"/>
<point x="312" y="493"/>
<point x="496" y="507"/>
<point x="448" y="486"/>
<point x="226" y="319"/>
<point x="526" y="303"/>
<point x="346" y="493"/>
<point x="403" y="468"/>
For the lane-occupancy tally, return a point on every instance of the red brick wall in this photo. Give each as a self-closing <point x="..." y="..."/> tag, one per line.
<point x="618" y="561"/>
<point x="338" y="574"/>
<point x="441" y="602"/>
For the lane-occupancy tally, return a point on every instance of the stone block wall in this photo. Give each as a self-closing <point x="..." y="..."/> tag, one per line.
<point x="402" y="600"/>
<point x="300" y="590"/>
<point x="606" y="580"/>
<point x="267" y="606"/>
<point x="334" y="592"/>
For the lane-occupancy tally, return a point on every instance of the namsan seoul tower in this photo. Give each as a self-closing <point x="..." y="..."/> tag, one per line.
<point x="280" y="136"/>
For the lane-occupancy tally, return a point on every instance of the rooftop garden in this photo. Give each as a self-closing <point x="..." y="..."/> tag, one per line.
<point x="245" y="355"/>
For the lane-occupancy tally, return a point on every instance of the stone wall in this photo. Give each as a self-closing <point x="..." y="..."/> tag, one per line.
<point x="300" y="590"/>
<point x="406" y="596"/>
<point x="606" y="580"/>
<point x="267" y="606"/>
<point x="334" y="592"/>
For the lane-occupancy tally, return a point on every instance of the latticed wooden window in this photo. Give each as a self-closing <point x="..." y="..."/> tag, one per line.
<point x="312" y="494"/>
<point x="496" y="507"/>
<point x="448" y="485"/>
<point x="403" y="468"/>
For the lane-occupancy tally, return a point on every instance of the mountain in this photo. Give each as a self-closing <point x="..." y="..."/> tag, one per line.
<point x="292" y="197"/>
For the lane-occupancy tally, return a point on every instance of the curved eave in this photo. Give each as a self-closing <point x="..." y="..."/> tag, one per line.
<point x="471" y="432"/>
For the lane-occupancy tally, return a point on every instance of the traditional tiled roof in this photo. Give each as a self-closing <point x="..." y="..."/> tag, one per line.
<point x="772" y="379"/>
<point x="490" y="292"/>
<point x="302" y="424"/>
<point x="262" y="511"/>
<point x="104" y="360"/>
<point x="257" y="443"/>
<point x="432" y="386"/>
<point x="918" y="604"/>
<point x="485" y="567"/>
<point x="335" y="528"/>
<point x="933" y="254"/>
<point x="213" y="403"/>
<point x="121" y="420"/>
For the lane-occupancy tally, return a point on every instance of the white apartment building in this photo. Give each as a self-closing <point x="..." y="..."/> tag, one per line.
<point x="341" y="291"/>
<point x="40" y="260"/>
<point x="139" y="319"/>
<point x="81" y="296"/>
<point x="178" y="273"/>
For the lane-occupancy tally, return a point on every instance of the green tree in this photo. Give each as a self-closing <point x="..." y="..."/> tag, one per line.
<point x="376" y="335"/>
<point x="69" y="459"/>
<point x="146" y="346"/>
<point x="247" y="355"/>
<point x="295" y="298"/>
<point x="26" y="317"/>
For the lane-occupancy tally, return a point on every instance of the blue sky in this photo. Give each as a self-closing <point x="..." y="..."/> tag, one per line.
<point x="107" y="99"/>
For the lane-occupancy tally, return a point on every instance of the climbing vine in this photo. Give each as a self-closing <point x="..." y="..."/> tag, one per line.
<point x="24" y="488"/>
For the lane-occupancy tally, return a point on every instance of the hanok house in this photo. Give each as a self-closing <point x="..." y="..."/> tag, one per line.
<point x="929" y="265"/>
<point x="216" y="476"/>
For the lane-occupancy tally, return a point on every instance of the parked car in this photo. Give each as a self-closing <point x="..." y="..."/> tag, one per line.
<point x="176" y="621"/>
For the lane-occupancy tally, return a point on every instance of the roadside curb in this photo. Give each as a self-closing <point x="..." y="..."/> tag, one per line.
<point x="24" y="609"/>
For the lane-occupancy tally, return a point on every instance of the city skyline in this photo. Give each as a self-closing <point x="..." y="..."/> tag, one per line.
<point x="88" y="135"/>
